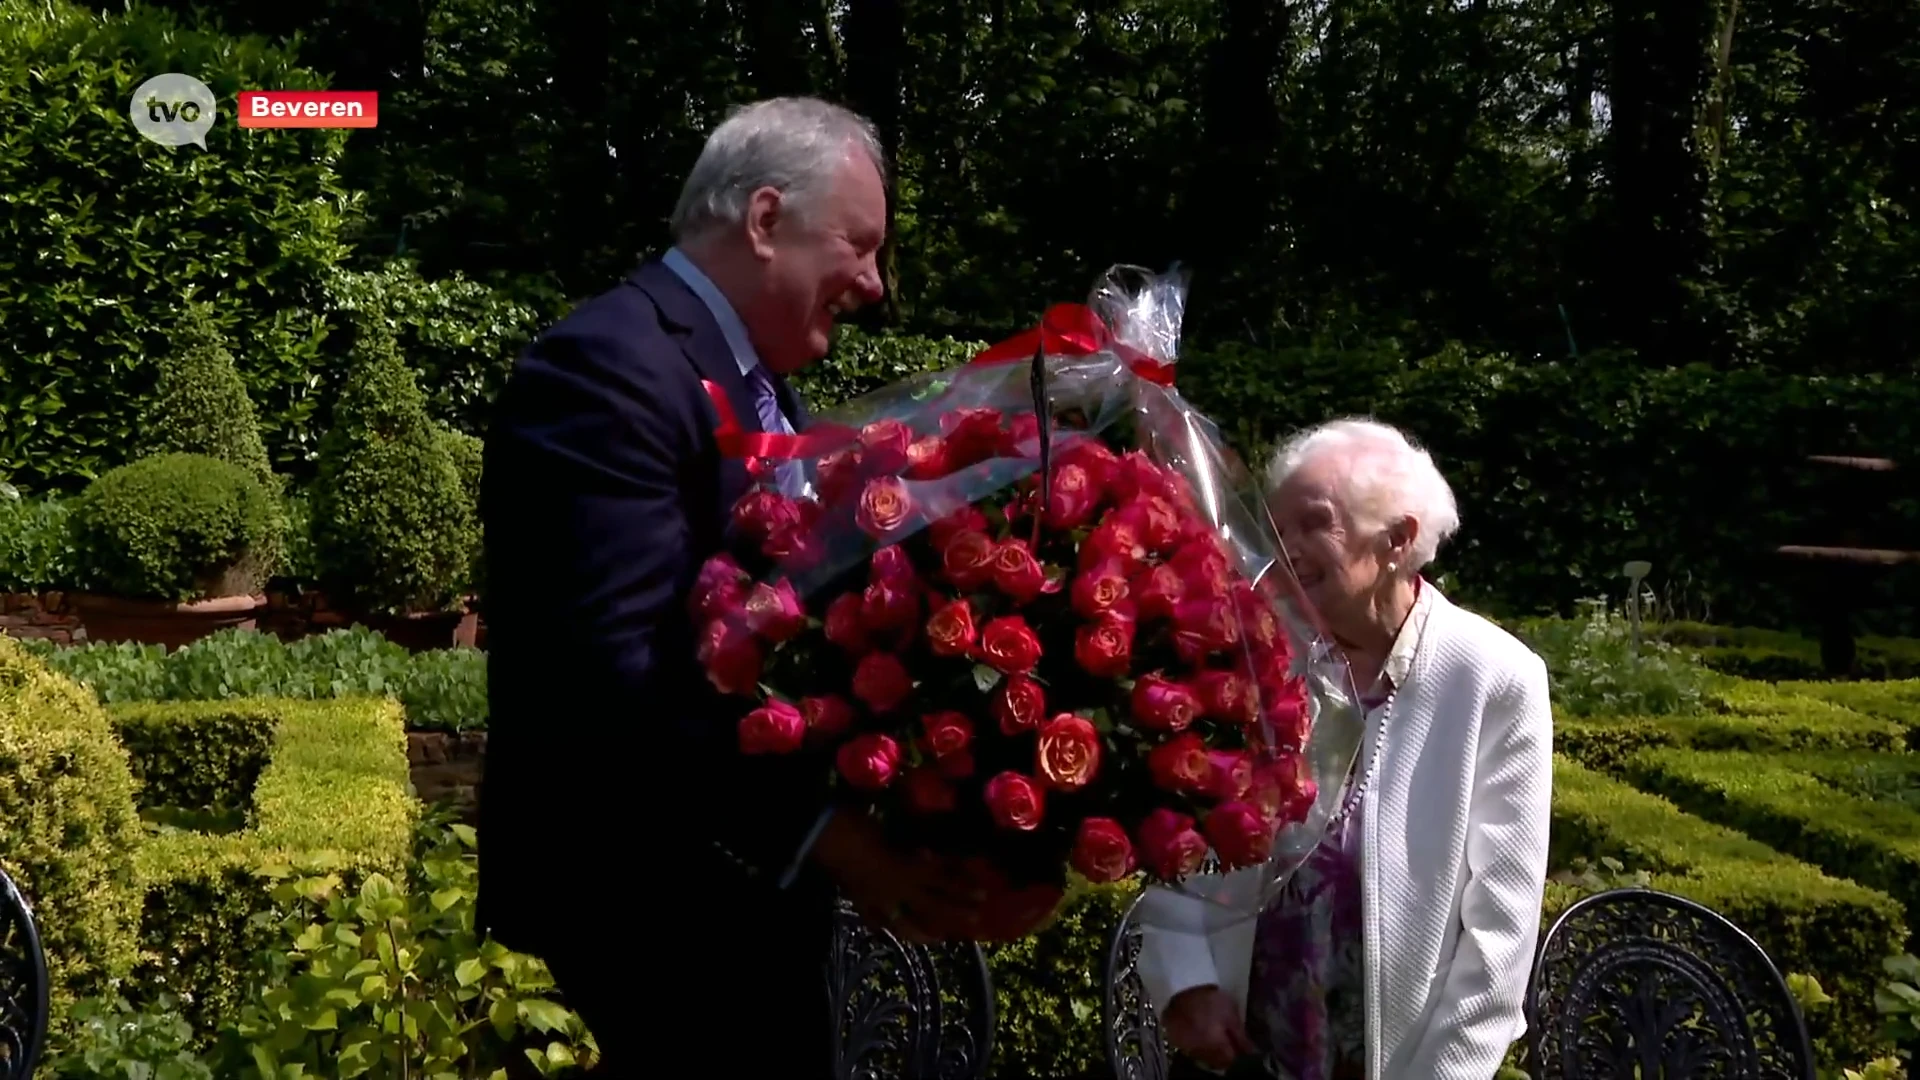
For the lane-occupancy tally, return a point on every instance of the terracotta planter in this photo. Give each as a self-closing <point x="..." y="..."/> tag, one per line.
<point x="157" y="622"/>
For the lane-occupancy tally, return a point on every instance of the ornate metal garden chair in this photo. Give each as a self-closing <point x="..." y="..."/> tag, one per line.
<point x="1136" y="1047"/>
<point x="907" y="1012"/>
<point x="23" y="985"/>
<point x="1635" y="982"/>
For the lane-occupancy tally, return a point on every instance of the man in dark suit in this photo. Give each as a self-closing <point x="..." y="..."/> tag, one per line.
<point x="680" y="891"/>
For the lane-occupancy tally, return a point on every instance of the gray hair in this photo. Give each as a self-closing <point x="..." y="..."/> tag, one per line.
<point x="790" y="144"/>
<point x="1389" y="477"/>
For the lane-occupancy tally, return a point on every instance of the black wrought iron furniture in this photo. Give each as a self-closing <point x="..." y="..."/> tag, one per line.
<point x="907" y="1012"/>
<point x="1136" y="1047"/>
<point x="23" y="985"/>
<point x="1636" y="982"/>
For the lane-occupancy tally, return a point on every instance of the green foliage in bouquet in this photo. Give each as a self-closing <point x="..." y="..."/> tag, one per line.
<point x="177" y="527"/>
<point x="200" y="406"/>
<point x="393" y="529"/>
<point x="392" y="981"/>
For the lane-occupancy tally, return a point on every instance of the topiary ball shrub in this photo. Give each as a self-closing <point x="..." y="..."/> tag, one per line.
<point x="67" y="798"/>
<point x="200" y="406"/>
<point x="393" y="529"/>
<point x="176" y="528"/>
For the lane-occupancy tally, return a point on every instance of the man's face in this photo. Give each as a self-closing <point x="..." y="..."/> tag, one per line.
<point x="816" y="265"/>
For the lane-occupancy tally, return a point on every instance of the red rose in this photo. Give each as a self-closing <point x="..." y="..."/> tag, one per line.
<point x="883" y="447"/>
<point x="1015" y="802"/>
<point x="869" y="762"/>
<point x="1159" y="591"/>
<point x="1019" y="704"/>
<point x="1181" y="765"/>
<point x="886" y="507"/>
<point x="731" y="656"/>
<point x="946" y="733"/>
<point x="1154" y="519"/>
<point x="967" y="560"/>
<point x="1204" y="568"/>
<point x="1069" y="753"/>
<point x="889" y="607"/>
<point x="1097" y="591"/>
<point x="1258" y="622"/>
<point x="719" y="590"/>
<point x="1232" y="775"/>
<point x="1226" y="696"/>
<point x="773" y="611"/>
<point x="1202" y="628"/>
<point x="844" y="625"/>
<point x="950" y="632"/>
<point x="927" y="792"/>
<point x="761" y="512"/>
<point x="1009" y="645"/>
<point x="1241" y="836"/>
<point x="1071" y="499"/>
<point x="882" y="682"/>
<point x="1017" y="573"/>
<point x="827" y="717"/>
<point x="1160" y="704"/>
<point x="838" y="476"/>
<point x="967" y="518"/>
<point x="973" y="435"/>
<point x="1136" y="475"/>
<point x="1282" y="790"/>
<point x="891" y="564"/>
<point x="1114" y="540"/>
<point x="1284" y="708"/>
<point x="1022" y="438"/>
<point x="1092" y="455"/>
<point x="1169" y="847"/>
<point x="797" y="548"/>
<point x="1105" y="647"/>
<point x="1101" y="851"/>
<point x="773" y="728"/>
<point x="927" y="459"/>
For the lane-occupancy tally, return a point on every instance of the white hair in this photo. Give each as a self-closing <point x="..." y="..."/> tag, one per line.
<point x="794" y="145"/>
<point x="1386" y="477"/>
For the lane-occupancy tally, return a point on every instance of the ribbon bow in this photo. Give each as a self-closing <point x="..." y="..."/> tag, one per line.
<point x="762" y="449"/>
<point x="1074" y="330"/>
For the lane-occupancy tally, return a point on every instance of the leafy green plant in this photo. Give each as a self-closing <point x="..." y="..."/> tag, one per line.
<point x="200" y="406"/>
<point x="1602" y="875"/>
<point x="176" y="527"/>
<point x="467" y="453"/>
<point x="1597" y="670"/>
<point x="37" y="549"/>
<point x="392" y="980"/>
<point x="111" y="1040"/>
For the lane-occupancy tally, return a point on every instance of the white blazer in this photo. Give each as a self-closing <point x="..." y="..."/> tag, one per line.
<point x="1453" y="860"/>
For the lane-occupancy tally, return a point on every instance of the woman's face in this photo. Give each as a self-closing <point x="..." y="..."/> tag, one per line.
<point x="1339" y="564"/>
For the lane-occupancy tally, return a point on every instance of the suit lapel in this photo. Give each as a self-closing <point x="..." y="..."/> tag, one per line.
<point x="685" y="316"/>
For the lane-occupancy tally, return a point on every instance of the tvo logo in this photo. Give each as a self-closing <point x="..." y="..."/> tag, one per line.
<point x="174" y="110"/>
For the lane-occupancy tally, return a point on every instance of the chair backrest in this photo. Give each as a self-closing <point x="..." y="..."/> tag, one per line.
<point x="1639" y="982"/>
<point x="23" y="985"/>
<point x="1136" y="1047"/>
<point x="907" y="1012"/>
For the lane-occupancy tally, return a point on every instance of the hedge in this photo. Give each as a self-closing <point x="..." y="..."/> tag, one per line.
<point x="1748" y="716"/>
<point x="323" y="786"/>
<point x="1898" y="701"/>
<point x="1808" y="922"/>
<point x="1775" y="656"/>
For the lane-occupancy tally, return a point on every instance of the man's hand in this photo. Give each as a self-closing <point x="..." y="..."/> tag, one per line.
<point x="921" y="898"/>
<point x="1204" y="1024"/>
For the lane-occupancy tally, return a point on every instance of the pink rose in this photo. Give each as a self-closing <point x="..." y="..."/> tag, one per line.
<point x="827" y="717"/>
<point x="1226" y="696"/>
<point x="845" y="627"/>
<point x="1169" y="846"/>
<point x="1160" y="704"/>
<point x="868" y="762"/>
<point x="1071" y="499"/>
<point x="928" y="459"/>
<point x="882" y="682"/>
<point x="1100" y="463"/>
<point x="1015" y="802"/>
<point x="1159" y="591"/>
<point x="1181" y="765"/>
<point x="1240" y="835"/>
<point x="774" y="728"/>
<point x="891" y="564"/>
<point x="1022" y="438"/>
<point x="886" y="507"/>
<point x="773" y="611"/>
<point x="1114" y="540"/>
<point x="973" y="435"/>
<point x="1097" y="591"/>
<point x="732" y="657"/>
<point x="1284" y="709"/>
<point x="883" y="447"/>
<point x="1155" y="521"/>
<point x="761" y="512"/>
<point x="720" y="589"/>
<point x="1102" y="852"/>
<point x="1232" y="774"/>
<point x="1068" y="753"/>
<point x="1202" y="628"/>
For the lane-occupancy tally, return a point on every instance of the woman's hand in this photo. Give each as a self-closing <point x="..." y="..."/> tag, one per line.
<point x="1206" y="1025"/>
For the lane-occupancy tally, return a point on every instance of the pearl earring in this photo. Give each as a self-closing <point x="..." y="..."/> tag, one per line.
<point x="1392" y="567"/>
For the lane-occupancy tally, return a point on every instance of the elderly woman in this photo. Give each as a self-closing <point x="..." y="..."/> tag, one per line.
<point x="1401" y="948"/>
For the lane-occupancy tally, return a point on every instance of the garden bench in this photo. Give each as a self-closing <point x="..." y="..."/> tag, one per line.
<point x="24" y="987"/>
<point x="1856" y="545"/>
<point x="1630" y="982"/>
<point x="907" y="1012"/>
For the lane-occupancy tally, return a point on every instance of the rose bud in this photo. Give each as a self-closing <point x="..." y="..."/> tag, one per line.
<point x="957" y="766"/>
<point x="1113" y="540"/>
<point x="1009" y="645"/>
<point x="1068" y="753"/>
<point x="828" y="717"/>
<point x="882" y="682"/>
<point x="731" y="656"/>
<point x="1097" y="591"/>
<point x="1022" y="438"/>
<point x="1019" y="704"/>
<point x="886" y="507"/>
<point x="967" y="560"/>
<point x="1232" y="774"/>
<point x="1017" y="573"/>
<point x="889" y="607"/>
<point x="838" y="476"/>
<point x="1240" y="835"/>
<point x="968" y="518"/>
<point x="773" y="728"/>
<point x="1071" y="499"/>
<point x="1202" y="628"/>
<point x="1226" y="696"/>
<point x="844" y="625"/>
<point x="883" y="447"/>
<point x="1156" y="522"/>
<point x="1015" y="802"/>
<point x="1101" y="851"/>
<point x="1181" y="765"/>
<point x="927" y="792"/>
<point x="973" y="435"/>
<point x="762" y="511"/>
<point x="1160" y="704"/>
<point x="927" y="459"/>
<point x="1169" y="847"/>
<point x="719" y="590"/>
<point x="950" y="631"/>
<point x="946" y="733"/>
<point x="868" y="762"/>
<point x="1104" y="648"/>
<point x="773" y="611"/>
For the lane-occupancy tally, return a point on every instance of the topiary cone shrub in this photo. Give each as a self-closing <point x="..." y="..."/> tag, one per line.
<point x="393" y="529"/>
<point x="67" y="798"/>
<point x="200" y="406"/>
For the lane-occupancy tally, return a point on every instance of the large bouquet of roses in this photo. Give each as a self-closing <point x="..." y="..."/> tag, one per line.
<point x="1029" y="613"/>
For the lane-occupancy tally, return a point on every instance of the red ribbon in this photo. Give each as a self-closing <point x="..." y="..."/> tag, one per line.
<point x="1074" y="330"/>
<point x="760" y="448"/>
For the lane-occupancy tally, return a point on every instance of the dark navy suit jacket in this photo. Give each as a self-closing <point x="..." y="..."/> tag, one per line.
<point x="610" y="760"/>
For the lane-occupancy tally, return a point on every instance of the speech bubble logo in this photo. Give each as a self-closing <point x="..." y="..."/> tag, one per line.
<point x="173" y="110"/>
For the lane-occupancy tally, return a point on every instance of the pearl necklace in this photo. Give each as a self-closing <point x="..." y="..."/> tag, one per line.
<point x="1353" y="798"/>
